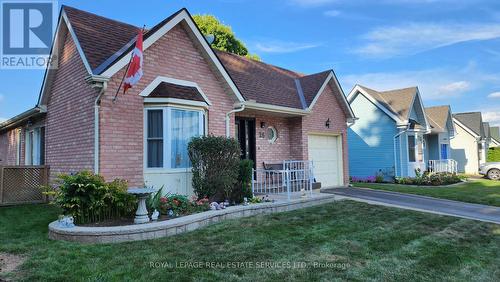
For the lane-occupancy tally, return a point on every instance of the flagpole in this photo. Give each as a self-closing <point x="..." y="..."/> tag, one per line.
<point x="125" y="73"/>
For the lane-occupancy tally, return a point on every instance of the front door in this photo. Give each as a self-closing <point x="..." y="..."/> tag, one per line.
<point x="245" y="134"/>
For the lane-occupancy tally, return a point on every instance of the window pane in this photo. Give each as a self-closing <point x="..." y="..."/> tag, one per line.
<point x="155" y="138"/>
<point x="185" y="125"/>
<point x="155" y="124"/>
<point x="411" y="148"/>
<point x="155" y="153"/>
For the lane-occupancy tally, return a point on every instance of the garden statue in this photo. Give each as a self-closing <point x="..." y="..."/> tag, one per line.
<point x="66" y="222"/>
<point x="214" y="206"/>
<point x="245" y="201"/>
<point x="155" y="215"/>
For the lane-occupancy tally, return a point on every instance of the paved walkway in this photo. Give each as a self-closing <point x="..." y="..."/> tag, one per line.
<point x="420" y="203"/>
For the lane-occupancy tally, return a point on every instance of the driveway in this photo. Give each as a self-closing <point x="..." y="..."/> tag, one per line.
<point x="420" y="203"/>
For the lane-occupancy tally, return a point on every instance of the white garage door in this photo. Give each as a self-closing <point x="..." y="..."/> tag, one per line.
<point x="326" y="154"/>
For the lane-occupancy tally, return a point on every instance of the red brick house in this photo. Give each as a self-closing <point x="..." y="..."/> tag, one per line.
<point x="187" y="89"/>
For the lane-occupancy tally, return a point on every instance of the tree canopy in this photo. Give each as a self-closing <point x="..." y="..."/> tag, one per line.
<point x="225" y="39"/>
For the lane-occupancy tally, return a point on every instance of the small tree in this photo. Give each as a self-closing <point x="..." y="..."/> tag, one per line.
<point x="215" y="162"/>
<point x="225" y="39"/>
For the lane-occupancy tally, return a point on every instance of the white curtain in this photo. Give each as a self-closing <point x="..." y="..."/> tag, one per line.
<point x="185" y="125"/>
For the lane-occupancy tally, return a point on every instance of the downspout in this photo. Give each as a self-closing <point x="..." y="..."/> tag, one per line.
<point x="241" y="108"/>
<point x="101" y="82"/>
<point x="97" y="104"/>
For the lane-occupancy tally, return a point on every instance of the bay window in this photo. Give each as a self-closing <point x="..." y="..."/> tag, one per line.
<point x="168" y="132"/>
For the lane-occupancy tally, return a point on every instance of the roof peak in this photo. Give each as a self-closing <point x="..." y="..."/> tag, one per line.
<point x="64" y="7"/>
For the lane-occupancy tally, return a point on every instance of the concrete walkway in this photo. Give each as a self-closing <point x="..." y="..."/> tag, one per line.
<point x="420" y="203"/>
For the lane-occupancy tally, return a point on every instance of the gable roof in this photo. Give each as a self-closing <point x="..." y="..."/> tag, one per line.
<point x="105" y="44"/>
<point x="99" y="37"/>
<point x="495" y="132"/>
<point x="398" y="101"/>
<point x="268" y="84"/>
<point x="473" y="120"/>
<point x="438" y="117"/>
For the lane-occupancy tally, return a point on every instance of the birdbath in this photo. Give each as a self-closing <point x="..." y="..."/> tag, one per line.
<point x="142" y="194"/>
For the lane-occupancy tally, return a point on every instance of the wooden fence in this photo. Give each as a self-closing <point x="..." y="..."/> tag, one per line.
<point x="21" y="184"/>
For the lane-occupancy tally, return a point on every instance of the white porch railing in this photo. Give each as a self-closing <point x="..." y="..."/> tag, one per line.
<point x="447" y="165"/>
<point x="296" y="176"/>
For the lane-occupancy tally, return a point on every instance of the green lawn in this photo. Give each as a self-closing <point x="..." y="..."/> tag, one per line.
<point x="479" y="191"/>
<point x="352" y="241"/>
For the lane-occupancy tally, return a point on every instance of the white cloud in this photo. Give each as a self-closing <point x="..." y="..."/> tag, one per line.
<point x="311" y="3"/>
<point x="494" y="95"/>
<point x="418" y="37"/>
<point x="457" y="86"/>
<point x="493" y="117"/>
<point x="331" y="13"/>
<point x="283" y="47"/>
<point x="434" y="84"/>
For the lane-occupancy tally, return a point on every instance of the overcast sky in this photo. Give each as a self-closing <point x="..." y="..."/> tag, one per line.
<point x="450" y="49"/>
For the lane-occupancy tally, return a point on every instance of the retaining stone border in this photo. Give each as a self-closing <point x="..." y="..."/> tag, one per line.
<point x="153" y="230"/>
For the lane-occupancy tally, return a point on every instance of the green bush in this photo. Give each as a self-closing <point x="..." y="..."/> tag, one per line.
<point x="430" y="179"/>
<point x="244" y="186"/>
<point x="494" y="155"/>
<point x="215" y="162"/>
<point x="88" y="198"/>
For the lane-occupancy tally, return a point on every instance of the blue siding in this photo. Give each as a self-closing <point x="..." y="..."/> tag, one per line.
<point x="371" y="140"/>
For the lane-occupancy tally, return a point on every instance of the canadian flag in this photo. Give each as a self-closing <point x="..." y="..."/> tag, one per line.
<point x="134" y="72"/>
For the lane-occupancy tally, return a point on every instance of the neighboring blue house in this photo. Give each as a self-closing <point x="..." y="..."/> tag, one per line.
<point x="388" y="136"/>
<point x="437" y="142"/>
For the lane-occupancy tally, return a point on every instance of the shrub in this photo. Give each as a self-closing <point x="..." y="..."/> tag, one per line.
<point x="244" y="186"/>
<point x="379" y="177"/>
<point x="215" y="163"/>
<point x="88" y="198"/>
<point x="430" y="179"/>
<point x="493" y="155"/>
<point x="181" y="205"/>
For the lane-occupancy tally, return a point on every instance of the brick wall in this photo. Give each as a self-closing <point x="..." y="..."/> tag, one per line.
<point x="327" y="107"/>
<point x="70" y="115"/>
<point x="8" y="146"/>
<point x="272" y="152"/>
<point x="175" y="55"/>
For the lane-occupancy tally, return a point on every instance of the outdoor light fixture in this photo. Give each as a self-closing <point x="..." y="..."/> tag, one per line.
<point x="262" y="124"/>
<point x="327" y="123"/>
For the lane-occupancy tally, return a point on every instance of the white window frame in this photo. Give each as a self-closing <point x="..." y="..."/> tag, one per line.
<point x="32" y="154"/>
<point x="167" y="142"/>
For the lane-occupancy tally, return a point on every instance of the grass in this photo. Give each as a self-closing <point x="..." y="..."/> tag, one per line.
<point x="479" y="191"/>
<point x="350" y="240"/>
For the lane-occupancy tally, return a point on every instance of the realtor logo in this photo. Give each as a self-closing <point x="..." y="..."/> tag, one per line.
<point x="27" y="28"/>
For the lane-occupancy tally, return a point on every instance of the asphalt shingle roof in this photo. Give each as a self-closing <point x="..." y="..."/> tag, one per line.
<point x="398" y="101"/>
<point x="437" y="117"/>
<point x="473" y="121"/>
<point x="103" y="41"/>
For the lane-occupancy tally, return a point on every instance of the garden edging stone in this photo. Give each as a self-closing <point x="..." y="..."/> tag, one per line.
<point x="153" y="230"/>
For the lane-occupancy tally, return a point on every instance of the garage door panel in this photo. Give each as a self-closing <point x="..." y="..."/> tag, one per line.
<point x="325" y="154"/>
